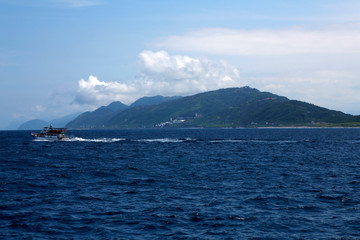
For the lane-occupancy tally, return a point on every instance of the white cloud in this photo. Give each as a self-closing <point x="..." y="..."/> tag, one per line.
<point x="318" y="65"/>
<point x="160" y="73"/>
<point x="95" y="92"/>
<point x="257" y="42"/>
<point x="184" y="75"/>
<point x="338" y="90"/>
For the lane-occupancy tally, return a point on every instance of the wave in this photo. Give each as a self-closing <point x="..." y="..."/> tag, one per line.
<point x="227" y="141"/>
<point x="107" y="140"/>
<point x="166" y="140"/>
<point x="253" y="141"/>
<point x="79" y="139"/>
<point x="43" y="140"/>
<point x="172" y="140"/>
<point x="180" y="140"/>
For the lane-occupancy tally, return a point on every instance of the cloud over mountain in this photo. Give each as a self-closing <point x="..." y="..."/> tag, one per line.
<point x="94" y="91"/>
<point x="308" y="63"/>
<point x="258" y="42"/>
<point x="160" y="73"/>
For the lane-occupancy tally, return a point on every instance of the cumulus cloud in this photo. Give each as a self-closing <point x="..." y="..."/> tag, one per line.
<point x="314" y="65"/>
<point x="257" y="42"/>
<point x="95" y="92"/>
<point x="160" y="73"/>
<point x="178" y="74"/>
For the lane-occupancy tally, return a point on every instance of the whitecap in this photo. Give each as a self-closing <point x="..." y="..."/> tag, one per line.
<point x="162" y="140"/>
<point x="107" y="140"/>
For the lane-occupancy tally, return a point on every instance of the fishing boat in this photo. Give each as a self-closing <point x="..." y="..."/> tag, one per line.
<point x="50" y="133"/>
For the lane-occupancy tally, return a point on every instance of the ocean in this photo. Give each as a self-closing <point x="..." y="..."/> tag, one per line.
<point x="182" y="184"/>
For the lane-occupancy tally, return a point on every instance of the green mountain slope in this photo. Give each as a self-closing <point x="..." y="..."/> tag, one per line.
<point x="117" y="106"/>
<point x="96" y="118"/>
<point x="147" y="101"/>
<point x="232" y="107"/>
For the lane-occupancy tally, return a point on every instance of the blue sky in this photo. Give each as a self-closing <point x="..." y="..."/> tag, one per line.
<point x="58" y="57"/>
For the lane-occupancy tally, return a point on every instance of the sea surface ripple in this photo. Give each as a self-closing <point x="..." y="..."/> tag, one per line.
<point x="182" y="184"/>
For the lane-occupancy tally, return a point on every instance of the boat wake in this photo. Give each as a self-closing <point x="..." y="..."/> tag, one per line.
<point x="106" y="140"/>
<point x="79" y="139"/>
<point x="253" y="141"/>
<point x="43" y="140"/>
<point x="167" y="140"/>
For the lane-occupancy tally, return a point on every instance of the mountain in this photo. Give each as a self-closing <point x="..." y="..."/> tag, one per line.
<point x="35" y="124"/>
<point x="96" y="119"/>
<point x="117" y="106"/>
<point x="232" y="107"/>
<point x="61" y="122"/>
<point x="147" y="101"/>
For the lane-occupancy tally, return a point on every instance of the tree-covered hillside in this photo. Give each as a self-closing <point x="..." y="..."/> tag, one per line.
<point x="232" y="107"/>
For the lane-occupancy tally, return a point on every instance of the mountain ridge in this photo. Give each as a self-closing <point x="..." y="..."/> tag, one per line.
<point x="230" y="107"/>
<point x="147" y="101"/>
<point x="97" y="118"/>
<point x="37" y="124"/>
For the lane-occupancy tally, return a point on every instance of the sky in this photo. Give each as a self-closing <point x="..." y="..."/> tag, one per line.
<point x="59" y="57"/>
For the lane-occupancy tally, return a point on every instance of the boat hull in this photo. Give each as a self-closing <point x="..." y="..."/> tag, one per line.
<point x="50" y="138"/>
<point x="51" y="134"/>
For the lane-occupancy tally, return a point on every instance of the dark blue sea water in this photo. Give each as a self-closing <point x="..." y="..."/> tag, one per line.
<point x="182" y="184"/>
